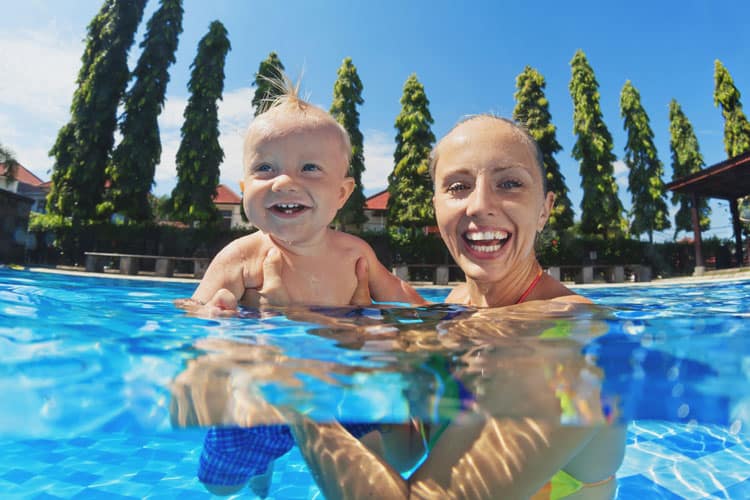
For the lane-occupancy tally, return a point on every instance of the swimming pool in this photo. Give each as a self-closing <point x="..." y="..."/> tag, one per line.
<point x="86" y="364"/>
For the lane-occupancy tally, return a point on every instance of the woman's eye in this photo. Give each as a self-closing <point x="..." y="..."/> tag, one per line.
<point x="510" y="184"/>
<point x="310" y="167"/>
<point x="457" y="186"/>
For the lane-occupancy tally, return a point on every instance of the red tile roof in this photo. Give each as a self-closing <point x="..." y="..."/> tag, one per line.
<point x="226" y="195"/>
<point x="22" y="175"/>
<point x="378" y="201"/>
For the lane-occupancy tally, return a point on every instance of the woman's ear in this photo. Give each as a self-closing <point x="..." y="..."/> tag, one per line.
<point x="549" y="203"/>
<point x="242" y="187"/>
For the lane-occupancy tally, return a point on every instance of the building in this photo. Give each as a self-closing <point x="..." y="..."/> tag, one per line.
<point x="15" y="205"/>
<point x="229" y="205"/>
<point x="376" y="211"/>
<point x="25" y="183"/>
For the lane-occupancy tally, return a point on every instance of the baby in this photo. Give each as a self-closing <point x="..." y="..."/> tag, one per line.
<point x="296" y="161"/>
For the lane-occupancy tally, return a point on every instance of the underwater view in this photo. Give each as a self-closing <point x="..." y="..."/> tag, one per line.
<point x="110" y="389"/>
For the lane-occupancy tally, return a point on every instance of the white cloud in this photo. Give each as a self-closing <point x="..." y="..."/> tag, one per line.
<point x="39" y="69"/>
<point x="378" y="152"/>
<point x="621" y="172"/>
<point x="235" y="113"/>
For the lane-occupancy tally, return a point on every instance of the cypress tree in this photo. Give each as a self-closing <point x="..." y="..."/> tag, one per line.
<point x="736" y="126"/>
<point x="133" y="163"/>
<point x="199" y="154"/>
<point x="686" y="160"/>
<point x="270" y="69"/>
<point x="409" y="187"/>
<point x="532" y="110"/>
<point x="645" y="182"/>
<point x="83" y="145"/>
<point x="601" y="210"/>
<point x="347" y="95"/>
<point x="8" y="160"/>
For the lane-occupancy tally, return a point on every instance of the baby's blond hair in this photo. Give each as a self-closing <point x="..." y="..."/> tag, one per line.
<point x="287" y="98"/>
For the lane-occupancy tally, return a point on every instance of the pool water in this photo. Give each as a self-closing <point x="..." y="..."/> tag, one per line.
<point x="86" y="365"/>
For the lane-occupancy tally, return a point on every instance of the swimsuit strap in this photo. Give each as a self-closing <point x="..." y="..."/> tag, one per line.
<point x="563" y="485"/>
<point x="531" y="287"/>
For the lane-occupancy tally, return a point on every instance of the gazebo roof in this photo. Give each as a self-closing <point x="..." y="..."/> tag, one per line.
<point x="727" y="180"/>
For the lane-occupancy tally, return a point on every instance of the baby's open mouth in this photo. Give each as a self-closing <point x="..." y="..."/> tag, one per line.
<point x="288" y="208"/>
<point x="486" y="241"/>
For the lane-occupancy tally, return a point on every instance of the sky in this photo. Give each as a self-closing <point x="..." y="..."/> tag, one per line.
<point x="466" y="54"/>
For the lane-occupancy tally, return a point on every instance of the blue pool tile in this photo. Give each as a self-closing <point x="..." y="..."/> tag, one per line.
<point x="639" y="487"/>
<point x="81" y="478"/>
<point x="164" y="455"/>
<point x="97" y="494"/>
<point x="147" y="477"/>
<point x="51" y="458"/>
<point x="47" y="496"/>
<point x="739" y="490"/>
<point x="693" y="444"/>
<point x="81" y="442"/>
<point x="17" y="476"/>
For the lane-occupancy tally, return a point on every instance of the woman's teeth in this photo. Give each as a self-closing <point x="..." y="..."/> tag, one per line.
<point x="486" y="241"/>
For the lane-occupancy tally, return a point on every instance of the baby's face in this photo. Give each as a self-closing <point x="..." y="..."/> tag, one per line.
<point x="295" y="176"/>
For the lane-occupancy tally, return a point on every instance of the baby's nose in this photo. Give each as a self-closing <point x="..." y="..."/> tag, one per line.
<point x="284" y="182"/>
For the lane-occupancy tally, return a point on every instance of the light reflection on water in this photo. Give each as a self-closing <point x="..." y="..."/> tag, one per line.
<point x="79" y="353"/>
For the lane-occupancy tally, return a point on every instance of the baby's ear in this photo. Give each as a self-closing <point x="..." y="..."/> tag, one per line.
<point x="347" y="187"/>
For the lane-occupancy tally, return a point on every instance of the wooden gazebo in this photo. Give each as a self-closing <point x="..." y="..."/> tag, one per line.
<point x="728" y="180"/>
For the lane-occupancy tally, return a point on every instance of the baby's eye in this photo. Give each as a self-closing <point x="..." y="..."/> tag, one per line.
<point x="310" y="167"/>
<point x="510" y="184"/>
<point x="457" y="186"/>
<point x="263" y="167"/>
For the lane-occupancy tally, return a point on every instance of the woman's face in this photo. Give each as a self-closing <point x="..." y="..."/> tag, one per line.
<point x="489" y="199"/>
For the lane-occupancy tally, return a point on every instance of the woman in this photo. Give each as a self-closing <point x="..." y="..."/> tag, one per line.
<point x="490" y="202"/>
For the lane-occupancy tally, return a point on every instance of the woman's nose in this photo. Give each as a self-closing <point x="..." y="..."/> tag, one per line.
<point x="481" y="201"/>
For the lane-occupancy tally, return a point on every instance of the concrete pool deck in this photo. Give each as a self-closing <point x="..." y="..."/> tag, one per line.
<point x="732" y="274"/>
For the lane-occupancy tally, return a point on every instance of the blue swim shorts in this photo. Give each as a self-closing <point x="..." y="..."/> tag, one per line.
<point x="232" y="455"/>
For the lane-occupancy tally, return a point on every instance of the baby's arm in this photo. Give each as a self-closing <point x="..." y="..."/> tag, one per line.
<point x="384" y="285"/>
<point x="224" y="274"/>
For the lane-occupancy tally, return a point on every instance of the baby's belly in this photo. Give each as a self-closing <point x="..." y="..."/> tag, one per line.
<point x="322" y="292"/>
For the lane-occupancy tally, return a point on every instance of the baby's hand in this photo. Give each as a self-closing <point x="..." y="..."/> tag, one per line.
<point x="222" y="304"/>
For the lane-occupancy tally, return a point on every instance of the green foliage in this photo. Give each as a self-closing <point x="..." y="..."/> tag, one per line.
<point x="131" y="169"/>
<point x="138" y="238"/>
<point x="199" y="154"/>
<point x="83" y="145"/>
<point x="601" y="210"/>
<point x="409" y="185"/>
<point x="532" y="110"/>
<point x="645" y="182"/>
<point x="686" y="160"/>
<point x="415" y="246"/>
<point x="9" y="161"/>
<point x="347" y="95"/>
<point x="736" y="126"/>
<point x="265" y="91"/>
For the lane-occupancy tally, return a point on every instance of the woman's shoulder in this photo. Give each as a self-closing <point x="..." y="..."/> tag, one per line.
<point x="551" y="289"/>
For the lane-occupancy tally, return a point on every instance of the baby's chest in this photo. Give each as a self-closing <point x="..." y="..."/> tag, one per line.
<point x="327" y="283"/>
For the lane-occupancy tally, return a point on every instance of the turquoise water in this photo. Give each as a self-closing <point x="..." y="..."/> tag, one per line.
<point x="86" y="365"/>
